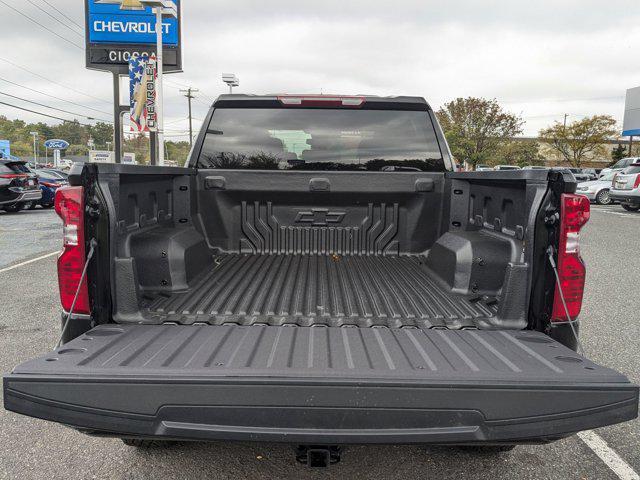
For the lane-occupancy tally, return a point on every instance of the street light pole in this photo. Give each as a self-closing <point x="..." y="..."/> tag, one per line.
<point x="232" y="80"/>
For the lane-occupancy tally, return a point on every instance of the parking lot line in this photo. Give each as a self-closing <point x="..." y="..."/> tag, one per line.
<point x="596" y="443"/>
<point x="2" y="270"/>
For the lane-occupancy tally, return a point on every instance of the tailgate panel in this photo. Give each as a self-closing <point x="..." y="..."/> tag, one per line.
<point x="321" y="384"/>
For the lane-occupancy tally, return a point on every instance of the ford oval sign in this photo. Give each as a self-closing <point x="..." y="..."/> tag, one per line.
<point x="56" y="144"/>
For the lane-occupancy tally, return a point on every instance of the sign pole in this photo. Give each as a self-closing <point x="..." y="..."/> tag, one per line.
<point x="159" y="99"/>
<point x="117" y="118"/>
<point x="153" y="147"/>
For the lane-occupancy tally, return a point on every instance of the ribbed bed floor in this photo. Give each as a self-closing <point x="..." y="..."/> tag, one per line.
<point x="317" y="289"/>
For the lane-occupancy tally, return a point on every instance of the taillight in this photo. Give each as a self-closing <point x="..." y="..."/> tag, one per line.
<point x="574" y="214"/>
<point x="69" y="203"/>
<point x="13" y="175"/>
<point x="636" y="184"/>
<point x="321" y="101"/>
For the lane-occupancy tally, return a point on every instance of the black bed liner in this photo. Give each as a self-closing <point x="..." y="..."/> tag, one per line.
<point x="305" y="290"/>
<point x="320" y="384"/>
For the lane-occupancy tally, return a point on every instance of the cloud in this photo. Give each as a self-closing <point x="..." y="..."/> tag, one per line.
<point x="541" y="59"/>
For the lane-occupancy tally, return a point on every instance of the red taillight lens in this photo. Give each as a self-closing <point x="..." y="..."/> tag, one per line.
<point x="636" y="184"/>
<point x="574" y="214"/>
<point x="13" y="175"/>
<point x="69" y="205"/>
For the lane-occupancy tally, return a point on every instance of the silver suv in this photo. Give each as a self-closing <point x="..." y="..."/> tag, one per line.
<point x="626" y="188"/>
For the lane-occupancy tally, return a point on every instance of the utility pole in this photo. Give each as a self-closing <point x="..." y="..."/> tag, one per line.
<point x="565" y="120"/>
<point x="189" y="94"/>
<point x="35" y="146"/>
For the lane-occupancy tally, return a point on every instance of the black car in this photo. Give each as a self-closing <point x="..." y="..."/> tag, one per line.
<point x="18" y="185"/>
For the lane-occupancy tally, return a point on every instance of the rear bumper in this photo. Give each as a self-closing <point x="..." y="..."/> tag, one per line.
<point x="321" y="412"/>
<point x="28" y="196"/>
<point x="626" y="196"/>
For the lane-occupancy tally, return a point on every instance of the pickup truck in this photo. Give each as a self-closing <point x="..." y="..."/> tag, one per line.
<point x="317" y="274"/>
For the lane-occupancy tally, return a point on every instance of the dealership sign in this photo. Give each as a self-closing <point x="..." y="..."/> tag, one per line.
<point x="631" y="123"/>
<point x="56" y="144"/>
<point x="119" y="30"/>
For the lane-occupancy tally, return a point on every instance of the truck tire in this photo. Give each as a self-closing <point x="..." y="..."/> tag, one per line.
<point x="603" y="197"/>
<point x="144" y="443"/>
<point x="16" y="207"/>
<point x="630" y="208"/>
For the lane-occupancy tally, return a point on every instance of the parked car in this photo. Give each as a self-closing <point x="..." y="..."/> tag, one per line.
<point x="626" y="188"/>
<point x="620" y="164"/>
<point x="579" y="174"/>
<point x="49" y="183"/>
<point x="481" y="167"/>
<point x="535" y="167"/>
<point x="293" y="296"/>
<point x="18" y="185"/>
<point x="597" y="190"/>
<point x="59" y="174"/>
<point x="506" y="167"/>
<point x="576" y="172"/>
<point x="591" y="172"/>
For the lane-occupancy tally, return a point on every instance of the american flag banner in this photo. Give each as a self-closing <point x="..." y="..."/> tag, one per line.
<point x="142" y="93"/>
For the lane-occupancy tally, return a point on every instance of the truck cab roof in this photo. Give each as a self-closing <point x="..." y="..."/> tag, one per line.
<point x="322" y="101"/>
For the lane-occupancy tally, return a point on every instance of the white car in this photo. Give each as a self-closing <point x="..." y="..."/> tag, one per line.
<point x="620" y="164"/>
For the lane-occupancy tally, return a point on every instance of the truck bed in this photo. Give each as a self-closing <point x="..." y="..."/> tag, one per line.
<point x="310" y="290"/>
<point x="321" y="384"/>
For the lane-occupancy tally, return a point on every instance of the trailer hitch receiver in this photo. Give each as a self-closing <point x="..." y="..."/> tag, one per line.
<point x="318" y="456"/>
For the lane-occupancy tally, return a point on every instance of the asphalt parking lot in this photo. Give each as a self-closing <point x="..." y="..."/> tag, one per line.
<point x="29" y="326"/>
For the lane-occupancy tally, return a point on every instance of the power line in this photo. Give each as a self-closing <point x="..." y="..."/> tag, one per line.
<point x="41" y="25"/>
<point x="65" y="16"/>
<point x="53" y="96"/>
<point x="56" y="19"/>
<point x="178" y="84"/>
<point x="43" y="114"/>
<point x="53" y="81"/>
<point x="53" y="108"/>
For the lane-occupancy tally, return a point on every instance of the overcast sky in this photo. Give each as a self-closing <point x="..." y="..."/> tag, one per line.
<point x="540" y="59"/>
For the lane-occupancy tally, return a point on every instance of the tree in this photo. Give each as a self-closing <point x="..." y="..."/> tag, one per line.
<point x="618" y="153"/>
<point x="138" y="144"/>
<point x="101" y="133"/>
<point x="519" y="152"/>
<point x="476" y="127"/>
<point x="581" y="139"/>
<point x="177" y="151"/>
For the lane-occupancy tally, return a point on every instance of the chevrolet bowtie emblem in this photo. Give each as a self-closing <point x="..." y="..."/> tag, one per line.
<point x="125" y="4"/>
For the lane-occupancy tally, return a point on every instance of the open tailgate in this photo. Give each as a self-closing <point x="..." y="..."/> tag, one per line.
<point x="321" y="385"/>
